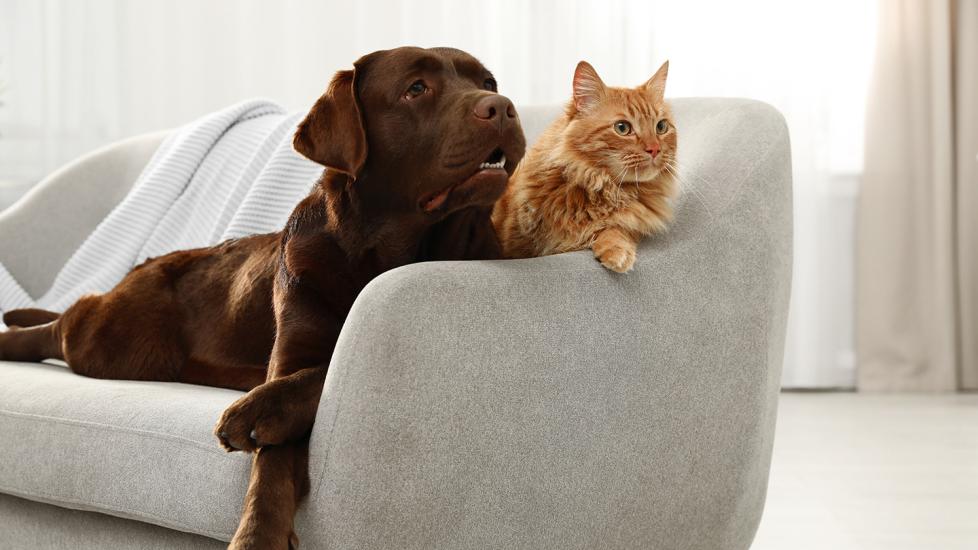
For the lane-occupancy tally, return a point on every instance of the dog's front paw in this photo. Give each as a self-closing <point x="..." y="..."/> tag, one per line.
<point x="616" y="258"/>
<point x="235" y="430"/>
<point x="271" y="414"/>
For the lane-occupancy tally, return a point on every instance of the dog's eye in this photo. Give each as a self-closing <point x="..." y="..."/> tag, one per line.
<point x="417" y="88"/>
<point x="622" y="128"/>
<point x="490" y="84"/>
<point x="661" y="127"/>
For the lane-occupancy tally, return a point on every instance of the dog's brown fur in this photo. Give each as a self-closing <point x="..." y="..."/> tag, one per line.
<point x="263" y="313"/>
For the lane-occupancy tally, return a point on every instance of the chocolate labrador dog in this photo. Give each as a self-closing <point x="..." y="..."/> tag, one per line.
<point x="417" y="145"/>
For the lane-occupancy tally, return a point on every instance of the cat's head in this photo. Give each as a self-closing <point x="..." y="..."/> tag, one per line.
<point x="627" y="132"/>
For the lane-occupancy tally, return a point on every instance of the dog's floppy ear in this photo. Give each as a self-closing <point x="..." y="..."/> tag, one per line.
<point x="332" y="133"/>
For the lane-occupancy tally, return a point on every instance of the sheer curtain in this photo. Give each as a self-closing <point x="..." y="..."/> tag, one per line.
<point x="80" y="74"/>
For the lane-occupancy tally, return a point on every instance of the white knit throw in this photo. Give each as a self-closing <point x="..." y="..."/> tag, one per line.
<point x="229" y="174"/>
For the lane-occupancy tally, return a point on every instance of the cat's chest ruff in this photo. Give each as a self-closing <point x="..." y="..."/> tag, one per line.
<point x="575" y="210"/>
<point x="597" y="207"/>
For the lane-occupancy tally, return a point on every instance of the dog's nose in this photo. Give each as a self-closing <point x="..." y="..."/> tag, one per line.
<point x="492" y="107"/>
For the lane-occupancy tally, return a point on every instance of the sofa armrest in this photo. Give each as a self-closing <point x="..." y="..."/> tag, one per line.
<point x="550" y="403"/>
<point x="42" y="229"/>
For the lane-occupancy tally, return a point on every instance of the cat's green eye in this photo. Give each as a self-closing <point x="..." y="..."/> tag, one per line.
<point x="623" y="128"/>
<point x="662" y="127"/>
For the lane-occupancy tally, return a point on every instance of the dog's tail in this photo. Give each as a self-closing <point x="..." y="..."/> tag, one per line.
<point x="29" y="317"/>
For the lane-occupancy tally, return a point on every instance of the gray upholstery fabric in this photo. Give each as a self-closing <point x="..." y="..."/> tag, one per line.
<point x="536" y="118"/>
<point x="139" y="450"/>
<point x="542" y="403"/>
<point x="25" y="524"/>
<point x="550" y="403"/>
<point x="41" y="230"/>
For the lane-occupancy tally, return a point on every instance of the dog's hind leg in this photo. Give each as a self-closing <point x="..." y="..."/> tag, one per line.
<point x="31" y="344"/>
<point x="29" y="317"/>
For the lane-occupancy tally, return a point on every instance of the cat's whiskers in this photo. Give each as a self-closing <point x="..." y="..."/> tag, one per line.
<point x="621" y="174"/>
<point x="683" y="184"/>
<point x="618" y="193"/>
<point x="702" y="180"/>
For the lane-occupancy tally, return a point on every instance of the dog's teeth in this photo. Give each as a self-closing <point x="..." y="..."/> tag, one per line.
<point x="493" y="165"/>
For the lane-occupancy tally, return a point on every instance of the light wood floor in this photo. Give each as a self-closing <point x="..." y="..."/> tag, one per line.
<point x="873" y="472"/>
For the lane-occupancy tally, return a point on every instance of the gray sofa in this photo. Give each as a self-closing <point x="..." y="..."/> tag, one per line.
<point x="543" y="403"/>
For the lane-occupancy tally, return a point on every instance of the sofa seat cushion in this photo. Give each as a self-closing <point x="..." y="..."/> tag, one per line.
<point x="138" y="450"/>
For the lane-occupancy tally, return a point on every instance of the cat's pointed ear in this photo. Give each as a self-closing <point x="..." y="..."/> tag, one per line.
<point x="588" y="87"/>
<point x="657" y="84"/>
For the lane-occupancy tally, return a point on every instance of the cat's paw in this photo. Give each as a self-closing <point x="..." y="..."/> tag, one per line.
<point x="616" y="258"/>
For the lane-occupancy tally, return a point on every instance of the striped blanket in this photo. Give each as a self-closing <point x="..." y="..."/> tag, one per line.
<point x="229" y="174"/>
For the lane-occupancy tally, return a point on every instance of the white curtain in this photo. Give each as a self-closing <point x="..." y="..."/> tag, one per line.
<point x="80" y="74"/>
<point x="918" y="245"/>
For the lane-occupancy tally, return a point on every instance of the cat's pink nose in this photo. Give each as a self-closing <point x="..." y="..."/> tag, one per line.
<point x="653" y="149"/>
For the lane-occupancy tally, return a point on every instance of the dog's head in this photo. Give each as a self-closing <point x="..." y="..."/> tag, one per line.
<point x="424" y="130"/>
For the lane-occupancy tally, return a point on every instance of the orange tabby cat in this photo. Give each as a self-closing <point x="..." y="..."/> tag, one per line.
<point x="601" y="176"/>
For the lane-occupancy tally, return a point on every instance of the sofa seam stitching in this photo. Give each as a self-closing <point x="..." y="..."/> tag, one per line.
<point x="164" y="522"/>
<point x="332" y="426"/>
<point x="108" y="427"/>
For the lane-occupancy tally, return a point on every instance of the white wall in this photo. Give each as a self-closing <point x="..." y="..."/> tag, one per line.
<point x="82" y="73"/>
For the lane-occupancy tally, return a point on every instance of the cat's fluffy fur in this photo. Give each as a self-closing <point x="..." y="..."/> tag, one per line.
<point x="585" y="185"/>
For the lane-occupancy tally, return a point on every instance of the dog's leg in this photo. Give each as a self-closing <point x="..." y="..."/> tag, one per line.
<point x="29" y="317"/>
<point x="279" y="479"/>
<point x="235" y="377"/>
<point x="31" y="344"/>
